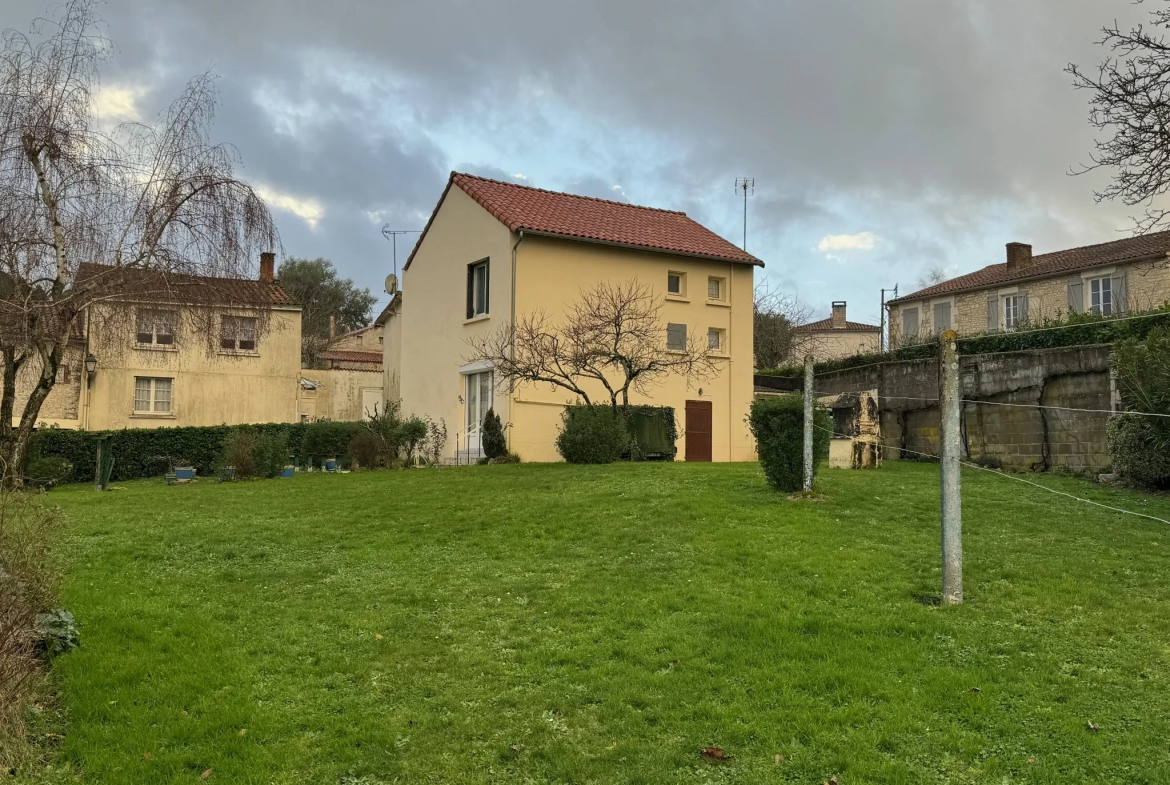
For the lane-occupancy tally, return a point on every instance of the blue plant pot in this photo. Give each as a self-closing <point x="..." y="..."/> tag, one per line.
<point x="287" y="472"/>
<point x="331" y="464"/>
<point x="184" y="473"/>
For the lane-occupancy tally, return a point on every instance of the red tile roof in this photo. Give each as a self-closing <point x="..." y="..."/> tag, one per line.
<point x="345" y="355"/>
<point x="538" y="211"/>
<point x="827" y="324"/>
<point x="153" y="286"/>
<point x="1049" y="264"/>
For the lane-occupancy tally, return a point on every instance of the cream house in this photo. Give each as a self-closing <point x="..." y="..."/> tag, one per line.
<point x="348" y="385"/>
<point x="180" y="351"/>
<point x="494" y="250"/>
<point x="1110" y="279"/>
<point x="835" y="337"/>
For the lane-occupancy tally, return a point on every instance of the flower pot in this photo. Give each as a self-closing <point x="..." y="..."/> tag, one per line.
<point x="184" y="472"/>
<point x="287" y="472"/>
<point x="330" y="464"/>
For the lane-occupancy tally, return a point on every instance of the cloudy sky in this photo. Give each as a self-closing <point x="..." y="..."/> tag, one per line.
<point x="885" y="137"/>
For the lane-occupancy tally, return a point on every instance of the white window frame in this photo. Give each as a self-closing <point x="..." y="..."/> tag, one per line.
<point x="231" y="329"/>
<point x="718" y="334"/>
<point x="154" y="318"/>
<point x="1104" y="304"/>
<point x="159" y="395"/>
<point x="1012" y="318"/>
<point x="720" y="289"/>
<point x="480" y="288"/>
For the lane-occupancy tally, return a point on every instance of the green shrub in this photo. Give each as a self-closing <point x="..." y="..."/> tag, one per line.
<point x="653" y="433"/>
<point x="1140" y="446"/>
<point x="411" y="434"/>
<point x="508" y="457"/>
<point x="48" y="471"/>
<point x="1134" y="446"/>
<point x="271" y="453"/>
<point x="777" y="422"/>
<point x="592" y="434"/>
<point x="494" y="443"/>
<point x="328" y="440"/>
<point x="239" y="453"/>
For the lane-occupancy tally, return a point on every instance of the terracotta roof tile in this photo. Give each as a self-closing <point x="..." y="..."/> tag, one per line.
<point x="154" y="286"/>
<point x="346" y="355"/>
<point x="1049" y="264"/>
<point x="539" y="211"/>
<point x="827" y="325"/>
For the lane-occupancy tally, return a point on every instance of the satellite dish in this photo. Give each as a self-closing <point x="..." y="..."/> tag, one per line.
<point x="391" y="284"/>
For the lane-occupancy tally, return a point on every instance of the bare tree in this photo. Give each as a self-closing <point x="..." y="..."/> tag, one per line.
<point x="1129" y="101"/>
<point x="776" y="319"/>
<point x="931" y="276"/>
<point x="613" y="339"/>
<point x="156" y="205"/>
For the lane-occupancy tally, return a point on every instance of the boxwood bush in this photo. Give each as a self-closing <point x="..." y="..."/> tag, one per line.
<point x="777" y="422"/>
<point x="592" y="434"/>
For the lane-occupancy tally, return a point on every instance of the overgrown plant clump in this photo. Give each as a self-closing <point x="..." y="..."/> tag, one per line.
<point x="1140" y="445"/>
<point x="778" y="424"/>
<point x="29" y="625"/>
<point x="593" y="434"/>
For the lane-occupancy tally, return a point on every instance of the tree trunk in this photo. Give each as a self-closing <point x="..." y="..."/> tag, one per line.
<point x="14" y="441"/>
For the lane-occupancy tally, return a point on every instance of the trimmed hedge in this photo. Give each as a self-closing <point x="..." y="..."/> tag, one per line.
<point x="592" y="434"/>
<point x="1078" y="330"/>
<point x="777" y="422"/>
<point x="152" y="452"/>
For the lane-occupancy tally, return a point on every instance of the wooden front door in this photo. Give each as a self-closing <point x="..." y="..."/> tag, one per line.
<point x="698" y="433"/>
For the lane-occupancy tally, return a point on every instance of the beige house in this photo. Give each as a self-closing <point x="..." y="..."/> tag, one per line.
<point x="349" y="386"/>
<point x="494" y="250"/>
<point x="1111" y="279"/>
<point x="181" y="351"/>
<point x="835" y="337"/>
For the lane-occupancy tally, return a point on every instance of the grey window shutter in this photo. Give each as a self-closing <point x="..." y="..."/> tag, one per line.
<point x="1118" y="287"/>
<point x="910" y="323"/>
<point x="993" y="313"/>
<point x="1023" y="295"/>
<point x="1076" y="295"/>
<point x="676" y="337"/>
<point x="487" y="286"/>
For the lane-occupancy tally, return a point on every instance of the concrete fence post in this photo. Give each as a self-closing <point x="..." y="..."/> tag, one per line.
<point x="809" y="397"/>
<point x="950" y="414"/>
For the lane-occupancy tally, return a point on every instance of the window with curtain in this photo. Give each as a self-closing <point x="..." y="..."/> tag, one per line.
<point x="152" y="395"/>
<point x="238" y="333"/>
<point x="156" y="327"/>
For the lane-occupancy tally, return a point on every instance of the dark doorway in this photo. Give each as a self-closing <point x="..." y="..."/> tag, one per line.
<point x="698" y="433"/>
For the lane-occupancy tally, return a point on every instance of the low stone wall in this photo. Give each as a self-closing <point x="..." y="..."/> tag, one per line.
<point x="1020" y="435"/>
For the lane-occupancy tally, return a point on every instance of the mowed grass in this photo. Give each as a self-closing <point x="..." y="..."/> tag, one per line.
<point x="561" y="624"/>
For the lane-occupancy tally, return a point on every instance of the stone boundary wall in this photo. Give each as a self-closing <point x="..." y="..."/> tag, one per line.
<point x="1020" y="436"/>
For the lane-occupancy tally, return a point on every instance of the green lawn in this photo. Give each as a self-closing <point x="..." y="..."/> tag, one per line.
<point x="560" y="624"/>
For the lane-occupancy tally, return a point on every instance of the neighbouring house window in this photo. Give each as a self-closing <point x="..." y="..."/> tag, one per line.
<point x="477" y="289"/>
<point x="379" y="340"/>
<point x="238" y="333"/>
<point x="674" y="284"/>
<point x="156" y="327"/>
<point x="715" y="340"/>
<point x="676" y="337"/>
<point x="1015" y="311"/>
<point x="62" y="374"/>
<point x="152" y="395"/>
<point x="910" y="323"/>
<point x="1101" y="296"/>
<point x="304" y="418"/>
<point x="714" y="289"/>
<point x="942" y="317"/>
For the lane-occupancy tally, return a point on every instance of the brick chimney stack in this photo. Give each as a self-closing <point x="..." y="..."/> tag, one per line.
<point x="1019" y="256"/>
<point x="839" y="315"/>
<point x="267" y="267"/>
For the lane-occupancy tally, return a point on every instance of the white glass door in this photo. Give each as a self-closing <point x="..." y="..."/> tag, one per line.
<point x="479" y="400"/>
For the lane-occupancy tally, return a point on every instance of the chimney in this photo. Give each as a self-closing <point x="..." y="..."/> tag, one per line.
<point x="267" y="267"/>
<point x="1019" y="256"/>
<point x="839" y="315"/>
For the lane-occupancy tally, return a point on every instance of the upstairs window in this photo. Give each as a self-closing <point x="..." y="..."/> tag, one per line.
<point x="156" y="328"/>
<point x="715" y="340"/>
<point x="676" y="284"/>
<point x="676" y="337"/>
<point x="714" y="288"/>
<point x="1015" y="311"/>
<point x="238" y="334"/>
<point x="477" y="289"/>
<point x="1101" y="296"/>
<point x="910" y="323"/>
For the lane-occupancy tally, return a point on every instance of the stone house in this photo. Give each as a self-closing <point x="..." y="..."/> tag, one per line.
<point x="835" y="337"/>
<point x="1110" y="279"/>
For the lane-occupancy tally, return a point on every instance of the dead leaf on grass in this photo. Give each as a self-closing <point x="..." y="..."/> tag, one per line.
<point x="146" y="756"/>
<point x="715" y="753"/>
<point x="832" y="780"/>
<point x="243" y="731"/>
<point x="205" y="774"/>
<point x="779" y="758"/>
<point x="1093" y="727"/>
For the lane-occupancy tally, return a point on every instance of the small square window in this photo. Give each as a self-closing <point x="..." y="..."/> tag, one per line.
<point x="1101" y="296"/>
<point x="676" y="337"/>
<point x="156" y="327"/>
<point x="238" y="333"/>
<point x="714" y="289"/>
<point x="674" y="283"/>
<point x="152" y="395"/>
<point x="715" y="340"/>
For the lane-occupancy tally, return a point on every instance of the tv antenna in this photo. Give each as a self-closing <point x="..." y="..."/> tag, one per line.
<point x="747" y="185"/>
<point x="392" y="236"/>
